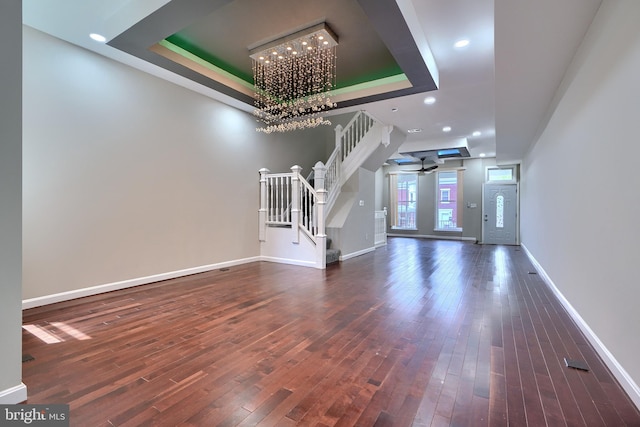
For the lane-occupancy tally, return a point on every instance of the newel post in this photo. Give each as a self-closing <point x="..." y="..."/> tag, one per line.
<point x="262" y="212"/>
<point x="386" y="135"/>
<point x="295" y="203"/>
<point x="319" y="172"/>
<point x="338" y="135"/>
<point x="321" y="237"/>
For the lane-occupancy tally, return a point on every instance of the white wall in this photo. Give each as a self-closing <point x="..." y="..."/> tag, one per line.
<point x="11" y="388"/>
<point x="580" y="199"/>
<point x="357" y="232"/>
<point x="379" y="202"/>
<point x="128" y="176"/>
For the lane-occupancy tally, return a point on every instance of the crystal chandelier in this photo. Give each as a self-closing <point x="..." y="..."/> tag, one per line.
<point x="293" y="78"/>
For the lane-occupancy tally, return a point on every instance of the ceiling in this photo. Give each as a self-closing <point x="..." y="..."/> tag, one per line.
<point x="501" y="86"/>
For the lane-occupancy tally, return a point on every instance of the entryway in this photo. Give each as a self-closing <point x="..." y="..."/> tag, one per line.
<point x="500" y="214"/>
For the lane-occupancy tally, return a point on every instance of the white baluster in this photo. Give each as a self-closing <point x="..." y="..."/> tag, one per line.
<point x="271" y="200"/>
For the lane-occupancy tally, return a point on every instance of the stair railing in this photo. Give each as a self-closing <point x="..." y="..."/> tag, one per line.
<point x="347" y="139"/>
<point x="289" y="200"/>
<point x="349" y="136"/>
<point x="380" y="228"/>
<point x="333" y="174"/>
<point x="275" y="200"/>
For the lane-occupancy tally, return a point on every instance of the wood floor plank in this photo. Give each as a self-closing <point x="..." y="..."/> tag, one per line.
<point x="417" y="333"/>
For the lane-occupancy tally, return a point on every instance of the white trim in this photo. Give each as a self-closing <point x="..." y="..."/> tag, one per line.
<point x="514" y="174"/>
<point x="357" y="253"/>
<point x="625" y="380"/>
<point x="288" y="261"/>
<point x="449" y="230"/>
<point x="436" y="237"/>
<point x="99" y="289"/>
<point x="13" y="395"/>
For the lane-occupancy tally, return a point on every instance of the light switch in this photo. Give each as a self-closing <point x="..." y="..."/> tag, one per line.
<point x="361" y="202"/>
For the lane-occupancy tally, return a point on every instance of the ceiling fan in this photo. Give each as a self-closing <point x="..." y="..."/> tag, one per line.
<point x="428" y="169"/>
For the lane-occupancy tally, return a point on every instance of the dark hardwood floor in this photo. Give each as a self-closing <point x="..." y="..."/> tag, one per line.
<point x="420" y="332"/>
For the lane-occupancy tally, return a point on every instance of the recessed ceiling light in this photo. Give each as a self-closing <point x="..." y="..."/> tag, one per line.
<point x="477" y="133"/>
<point x="415" y="130"/>
<point x="98" y="37"/>
<point x="446" y="129"/>
<point x="482" y="154"/>
<point x="461" y="43"/>
<point x="394" y="110"/>
<point x="429" y="100"/>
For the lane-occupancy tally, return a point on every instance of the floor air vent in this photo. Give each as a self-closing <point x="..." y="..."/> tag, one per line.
<point x="576" y="364"/>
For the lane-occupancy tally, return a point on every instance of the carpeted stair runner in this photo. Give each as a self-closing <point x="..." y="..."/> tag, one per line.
<point x="333" y="255"/>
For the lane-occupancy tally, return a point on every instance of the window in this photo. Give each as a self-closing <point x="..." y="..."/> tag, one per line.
<point x="501" y="175"/>
<point x="445" y="195"/>
<point x="448" y="201"/>
<point x="445" y="217"/>
<point x="500" y="211"/>
<point x="404" y="199"/>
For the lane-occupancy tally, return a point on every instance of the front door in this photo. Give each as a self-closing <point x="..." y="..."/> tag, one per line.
<point x="500" y="214"/>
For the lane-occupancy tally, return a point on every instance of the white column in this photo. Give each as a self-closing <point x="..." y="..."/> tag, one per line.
<point x="295" y="203"/>
<point x="262" y="212"/>
<point x="12" y="390"/>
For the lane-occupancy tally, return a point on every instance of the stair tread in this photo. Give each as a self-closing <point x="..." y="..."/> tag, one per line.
<point x="333" y="255"/>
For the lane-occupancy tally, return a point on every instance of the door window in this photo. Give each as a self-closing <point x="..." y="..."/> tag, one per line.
<point x="499" y="211"/>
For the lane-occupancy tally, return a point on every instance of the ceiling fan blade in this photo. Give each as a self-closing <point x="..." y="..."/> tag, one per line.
<point x="427" y="169"/>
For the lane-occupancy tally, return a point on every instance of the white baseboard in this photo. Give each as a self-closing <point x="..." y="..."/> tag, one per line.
<point x="288" y="261"/>
<point x="357" y="253"/>
<point x="13" y="395"/>
<point x="625" y="380"/>
<point x="433" y="236"/>
<point x="94" y="290"/>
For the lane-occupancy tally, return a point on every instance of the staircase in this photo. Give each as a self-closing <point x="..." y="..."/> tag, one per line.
<point x="293" y="210"/>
